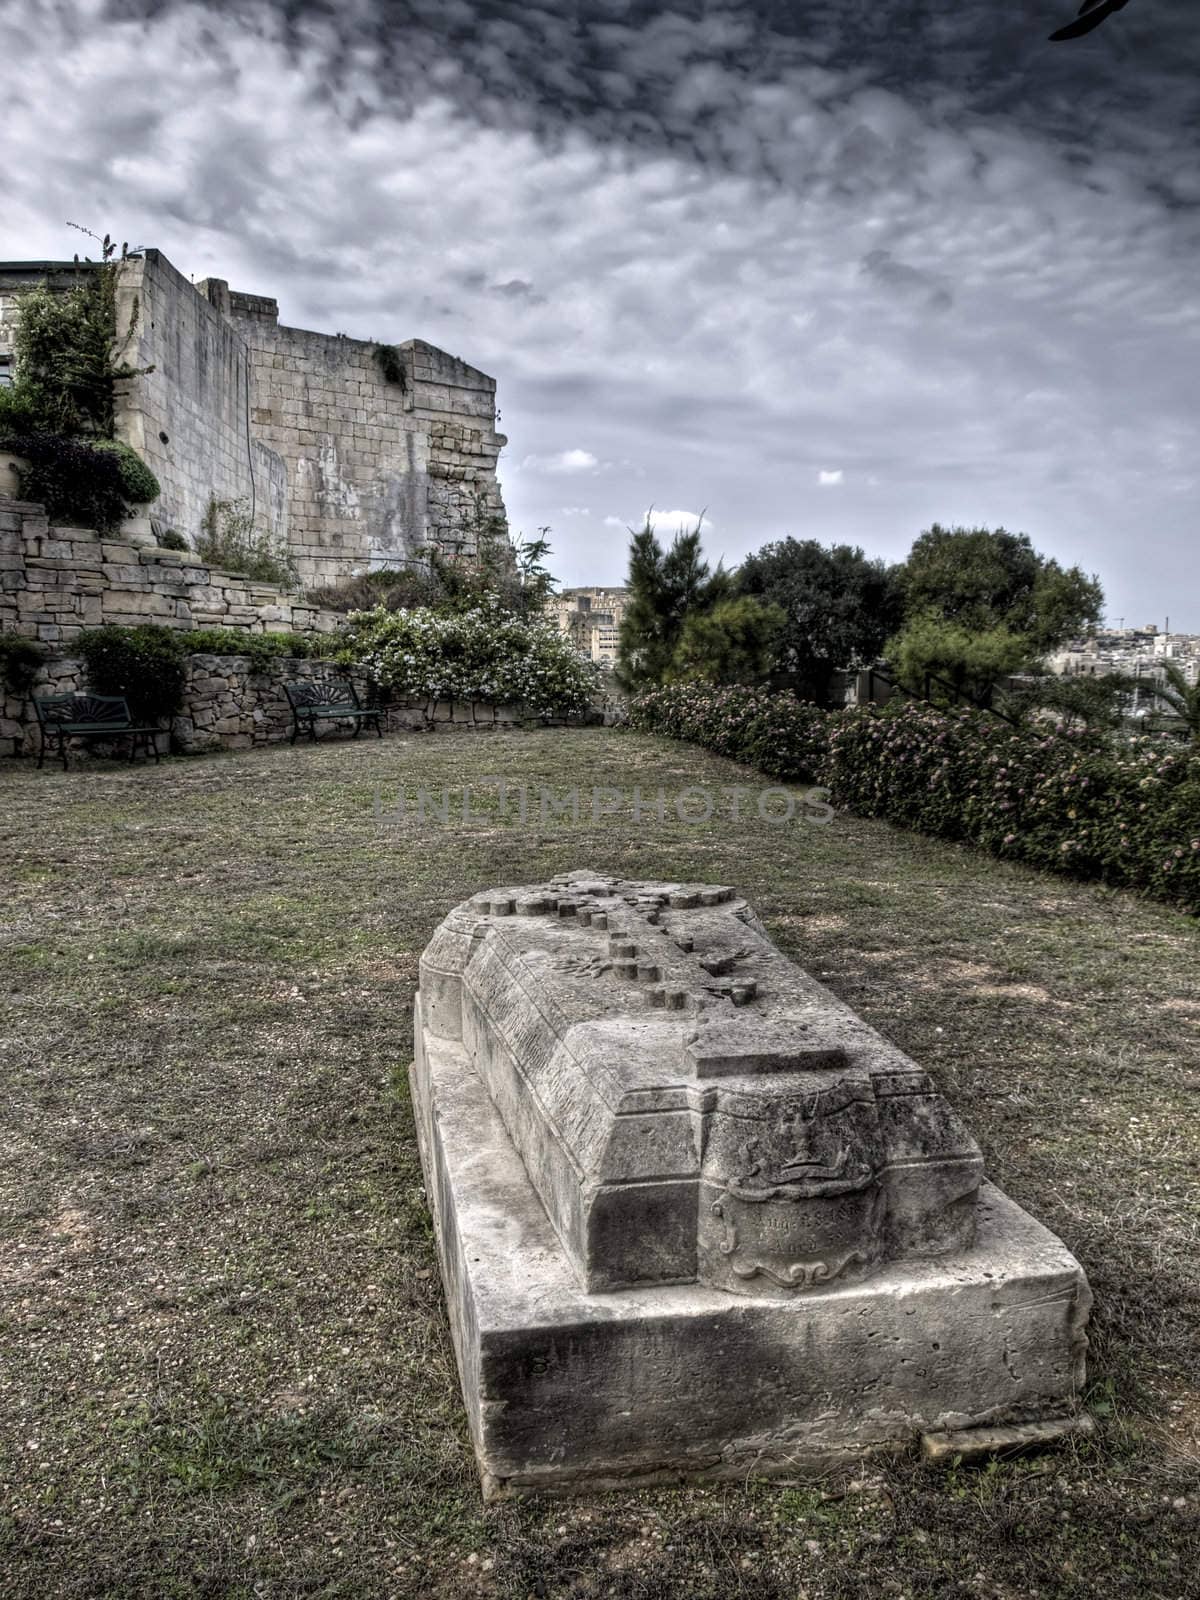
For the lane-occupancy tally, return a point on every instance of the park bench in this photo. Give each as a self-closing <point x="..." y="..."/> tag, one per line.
<point x="335" y="699"/>
<point x="90" y="716"/>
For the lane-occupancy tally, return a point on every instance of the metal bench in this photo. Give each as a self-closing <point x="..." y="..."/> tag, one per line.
<point x="90" y="716"/>
<point x="316" y="700"/>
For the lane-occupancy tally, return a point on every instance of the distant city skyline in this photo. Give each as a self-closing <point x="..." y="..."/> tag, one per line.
<point x="836" y="271"/>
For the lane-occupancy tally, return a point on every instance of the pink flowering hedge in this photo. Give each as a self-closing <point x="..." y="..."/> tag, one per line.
<point x="1124" y="812"/>
<point x="782" y="736"/>
<point x="1127" y="813"/>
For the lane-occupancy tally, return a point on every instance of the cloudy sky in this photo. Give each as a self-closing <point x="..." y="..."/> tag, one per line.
<point x="831" y="268"/>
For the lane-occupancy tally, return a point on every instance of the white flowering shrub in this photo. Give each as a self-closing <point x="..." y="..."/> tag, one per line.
<point x="484" y="654"/>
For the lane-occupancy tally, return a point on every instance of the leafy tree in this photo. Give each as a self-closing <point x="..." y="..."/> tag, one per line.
<point x="536" y="583"/>
<point x="982" y="604"/>
<point x="948" y="661"/>
<point x="982" y="579"/>
<point x="665" y="587"/>
<point x="735" y="642"/>
<point x="839" y="607"/>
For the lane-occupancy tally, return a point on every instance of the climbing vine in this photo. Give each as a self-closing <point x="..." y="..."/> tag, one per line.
<point x="70" y="354"/>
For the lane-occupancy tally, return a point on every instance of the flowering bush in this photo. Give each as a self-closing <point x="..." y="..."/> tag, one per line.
<point x="1081" y="803"/>
<point x="783" y="736"/>
<point x="1075" y="802"/>
<point x="485" y="654"/>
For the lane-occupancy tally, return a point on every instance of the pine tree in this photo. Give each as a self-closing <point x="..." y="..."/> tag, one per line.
<point x="665" y="587"/>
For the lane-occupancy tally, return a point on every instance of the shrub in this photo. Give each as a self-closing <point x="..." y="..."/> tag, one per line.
<point x="783" y="736"/>
<point x="394" y="588"/>
<point x="76" y="482"/>
<point x="261" y="648"/>
<point x="1071" y="801"/>
<point x="170" y="539"/>
<point x="231" y="541"/>
<point x="137" y="481"/>
<point x="20" y="659"/>
<point x="485" y="655"/>
<point x="145" y="664"/>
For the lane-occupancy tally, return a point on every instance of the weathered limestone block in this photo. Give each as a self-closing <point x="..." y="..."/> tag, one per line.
<point x="125" y="555"/>
<point x="697" y="1216"/>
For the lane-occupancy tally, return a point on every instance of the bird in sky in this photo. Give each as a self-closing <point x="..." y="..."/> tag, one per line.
<point x="1091" y="14"/>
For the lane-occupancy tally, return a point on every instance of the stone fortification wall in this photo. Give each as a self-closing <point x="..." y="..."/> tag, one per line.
<point x="55" y="581"/>
<point x="350" y="467"/>
<point x="377" y="467"/>
<point x="188" y="416"/>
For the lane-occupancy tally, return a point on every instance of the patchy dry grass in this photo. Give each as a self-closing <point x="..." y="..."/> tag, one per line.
<point x="226" y="1369"/>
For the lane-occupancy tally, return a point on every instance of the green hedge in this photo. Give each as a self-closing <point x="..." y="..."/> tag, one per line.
<point x="779" y="734"/>
<point x="148" y="664"/>
<point x="1126" y="813"/>
<point x="1091" y="806"/>
<point x="79" y="486"/>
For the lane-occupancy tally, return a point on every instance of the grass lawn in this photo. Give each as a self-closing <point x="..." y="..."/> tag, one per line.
<point x="225" y="1369"/>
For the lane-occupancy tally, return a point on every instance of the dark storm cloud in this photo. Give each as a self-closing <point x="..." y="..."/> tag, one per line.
<point x="637" y="71"/>
<point x="825" y="267"/>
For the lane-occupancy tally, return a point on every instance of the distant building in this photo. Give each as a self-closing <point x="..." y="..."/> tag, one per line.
<point x="1139" y="653"/>
<point x="592" y="617"/>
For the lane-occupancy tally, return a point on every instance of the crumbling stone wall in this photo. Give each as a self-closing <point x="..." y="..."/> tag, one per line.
<point x="378" y="467"/>
<point x="459" y="405"/>
<point x="55" y="581"/>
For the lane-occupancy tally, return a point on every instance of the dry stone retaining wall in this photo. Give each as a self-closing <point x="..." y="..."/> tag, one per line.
<point x="229" y="705"/>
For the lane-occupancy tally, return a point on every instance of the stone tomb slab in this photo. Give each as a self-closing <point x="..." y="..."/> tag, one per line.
<point x="854" y="1285"/>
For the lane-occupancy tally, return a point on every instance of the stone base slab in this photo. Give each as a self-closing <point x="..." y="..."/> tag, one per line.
<point x="566" y="1390"/>
<point x="977" y="1444"/>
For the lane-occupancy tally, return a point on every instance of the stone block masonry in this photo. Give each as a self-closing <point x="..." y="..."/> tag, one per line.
<point x="350" y="467"/>
<point x="188" y="412"/>
<point x="56" y="581"/>
<point x="377" y="469"/>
